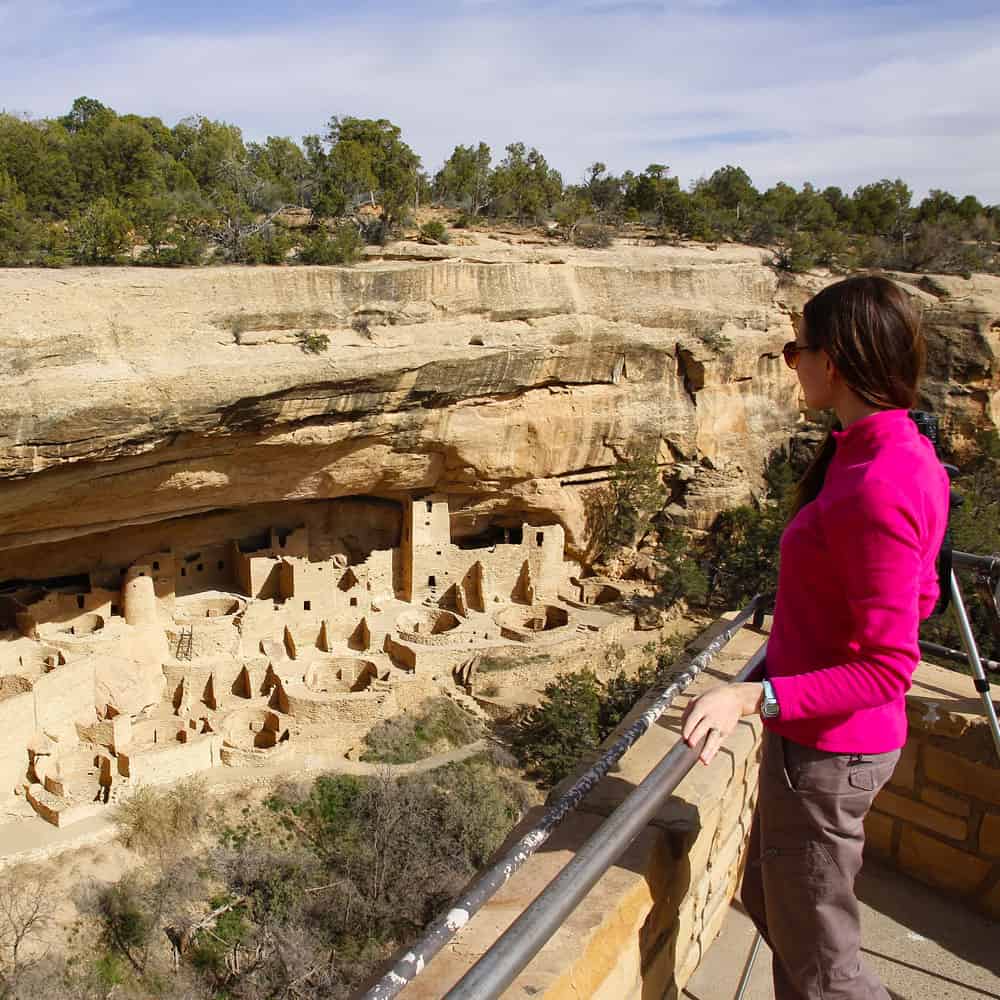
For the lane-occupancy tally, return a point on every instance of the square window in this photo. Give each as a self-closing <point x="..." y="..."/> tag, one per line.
<point x="354" y="602"/>
<point x="201" y="567"/>
<point x="221" y="565"/>
<point x="430" y="506"/>
<point x="79" y="602"/>
<point x="432" y="581"/>
<point x="539" y="538"/>
<point x="184" y="571"/>
<point x="307" y="605"/>
<point x="156" y="565"/>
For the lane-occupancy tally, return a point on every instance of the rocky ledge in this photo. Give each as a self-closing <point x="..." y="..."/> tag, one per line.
<point x="508" y="379"/>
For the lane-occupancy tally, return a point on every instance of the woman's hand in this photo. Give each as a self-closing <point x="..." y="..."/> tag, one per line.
<point x="715" y="714"/>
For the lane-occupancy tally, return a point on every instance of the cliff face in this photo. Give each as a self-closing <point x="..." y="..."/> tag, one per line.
<point x="509" y="380"/>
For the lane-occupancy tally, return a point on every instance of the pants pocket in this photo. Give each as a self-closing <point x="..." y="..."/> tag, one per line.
<point x="808" y="866"/>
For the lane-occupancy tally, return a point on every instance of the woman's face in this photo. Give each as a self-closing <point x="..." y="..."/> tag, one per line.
<point x="815" y="373"/>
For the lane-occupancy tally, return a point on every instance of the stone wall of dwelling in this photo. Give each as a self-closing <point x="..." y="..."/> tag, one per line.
<point x="939" y="817"/>
<point x="440" y="565"/>
<point x="334" y="709"/>
<point x="17" y="723"/>
<point x="58" y="610"/>
<point x="209" y="637"/>
<point x="209" y="567"/>
<point x="170" y="762"/>
<point x="57" y="703"/>
<point x="643" y="929"/>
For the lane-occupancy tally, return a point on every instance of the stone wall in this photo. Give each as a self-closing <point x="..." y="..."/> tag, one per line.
<point x="939" y="818"/>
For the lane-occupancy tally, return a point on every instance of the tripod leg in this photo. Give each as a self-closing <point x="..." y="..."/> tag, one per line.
<point x="748" y="968"/>
<point x="978" y="674"/>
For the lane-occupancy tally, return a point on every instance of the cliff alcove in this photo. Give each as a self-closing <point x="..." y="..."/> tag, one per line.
<point x="218" y="547"/>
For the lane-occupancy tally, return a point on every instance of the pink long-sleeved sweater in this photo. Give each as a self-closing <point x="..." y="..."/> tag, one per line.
<point x="857" y="575"/>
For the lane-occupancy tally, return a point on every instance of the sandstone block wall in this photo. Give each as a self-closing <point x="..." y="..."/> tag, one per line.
<point x="939" y="818"/>
<point x="17" y="723"/>
<point x="172" y="762"/>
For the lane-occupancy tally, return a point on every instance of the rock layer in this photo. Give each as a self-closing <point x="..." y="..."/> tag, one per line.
<point x="508" y="380"/>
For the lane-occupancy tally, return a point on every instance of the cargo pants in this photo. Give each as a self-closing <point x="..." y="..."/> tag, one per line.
<point x="804" y="853"/>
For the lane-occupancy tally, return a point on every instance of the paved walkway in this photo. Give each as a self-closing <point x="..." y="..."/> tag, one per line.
<point x="921" y="944"/>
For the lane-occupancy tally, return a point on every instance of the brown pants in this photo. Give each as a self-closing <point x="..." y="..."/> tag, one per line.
<point x="805" y="851"/>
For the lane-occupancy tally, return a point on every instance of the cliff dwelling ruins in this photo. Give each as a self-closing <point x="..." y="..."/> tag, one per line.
<point x="220" y="550"/>
<point x="235" y="643"/>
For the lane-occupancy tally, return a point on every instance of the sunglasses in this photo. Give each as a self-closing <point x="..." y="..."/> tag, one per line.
<point x="791" y="351"/>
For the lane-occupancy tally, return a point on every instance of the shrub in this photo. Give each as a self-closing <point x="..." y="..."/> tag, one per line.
<point x="682" y="576"/>
<point x="187" y="250"/>
<point x="126" y="921"/>
<point x="100" y="235"/>
<point x="312" y="342"/>
<point x="343" y="247"/>
<point x="434" y="231"/>
<point x="406" y="738"/>
<point x="798" y="255"/>
<point x="161" y="823"/>
<point x="579" y="712"/>
<point x="634" y="495"/>
<point x="593" y="235"/>
<point x="550" y="738"/>
<point x="270" y="246"/>
<point x="715" y="340"/>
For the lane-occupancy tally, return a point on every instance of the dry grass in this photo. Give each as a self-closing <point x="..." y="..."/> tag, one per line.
<point x="161" y="823"/>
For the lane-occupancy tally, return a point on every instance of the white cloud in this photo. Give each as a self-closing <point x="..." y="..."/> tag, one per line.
<point x="837" y="99"/>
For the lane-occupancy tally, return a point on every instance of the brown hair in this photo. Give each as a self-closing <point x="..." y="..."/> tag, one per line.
<point x="871" y="333"/>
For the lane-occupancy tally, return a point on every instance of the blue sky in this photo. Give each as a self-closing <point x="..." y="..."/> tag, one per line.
<point x="837" y="93"/>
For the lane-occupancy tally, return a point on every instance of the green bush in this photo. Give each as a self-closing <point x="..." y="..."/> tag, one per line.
<point x="343" y="247"/>
<point x="635" y="494"/>
<point x="550" y="738"/>
<point x="434" y="231"/>
<point x="186" y="250"/>
<point x="578" y="712"/>
<point x="975" y="527"/>
<point x="593" y="235"/>
<point x="406" y="738"/>
<point x="270" y="246"/>
<point x="798" y="255"/>
<point x="100" y="234"/>
<point x="312" y="342"/>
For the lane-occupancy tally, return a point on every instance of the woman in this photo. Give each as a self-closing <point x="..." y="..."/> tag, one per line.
<point x="857" y="574"/>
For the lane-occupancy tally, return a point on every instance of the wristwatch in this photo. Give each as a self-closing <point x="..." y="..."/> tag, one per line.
<point x="769" y="708"/>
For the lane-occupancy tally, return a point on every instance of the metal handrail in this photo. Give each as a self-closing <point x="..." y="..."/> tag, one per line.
<point x="515" y="948"/>
<point x="969" y="560"/>
<point x="416" y="957"/>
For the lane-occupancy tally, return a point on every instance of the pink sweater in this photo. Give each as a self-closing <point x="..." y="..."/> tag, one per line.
<point x="857" y="575"/>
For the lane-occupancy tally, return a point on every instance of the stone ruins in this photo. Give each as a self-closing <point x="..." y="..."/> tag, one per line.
<point x="219" y="549"/>
<point x="244" y="651"/>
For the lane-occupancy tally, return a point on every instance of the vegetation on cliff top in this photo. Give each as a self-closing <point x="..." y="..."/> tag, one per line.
<point x="97" y="187"/>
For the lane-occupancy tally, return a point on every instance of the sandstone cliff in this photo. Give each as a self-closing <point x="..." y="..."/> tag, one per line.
<point x="508" y="379"/>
